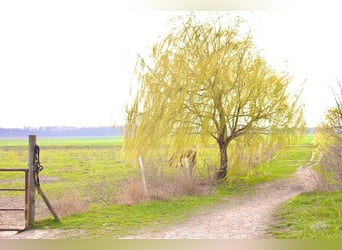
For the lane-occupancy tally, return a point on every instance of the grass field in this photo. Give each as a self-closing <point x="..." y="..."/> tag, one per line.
<point x="311" y="216"/>
<point x="65" y="142"/>
<point x="90" y="172"/>
<point x="72" y="164"/>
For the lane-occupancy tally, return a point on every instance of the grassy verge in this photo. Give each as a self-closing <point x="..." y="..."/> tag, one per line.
<point x="113" y="221"/>
<point x="310" y="216"/>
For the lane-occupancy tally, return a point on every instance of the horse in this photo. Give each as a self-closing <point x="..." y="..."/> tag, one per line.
<point x="186" y="156"/>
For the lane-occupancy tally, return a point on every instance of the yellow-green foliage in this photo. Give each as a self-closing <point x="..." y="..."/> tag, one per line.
<point x="205" y="83"/>
<point x="324" y="136"/>
<point x="243" y="157"/>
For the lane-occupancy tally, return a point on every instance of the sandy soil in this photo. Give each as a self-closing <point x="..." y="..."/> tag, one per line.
<point x="242" y="217"/>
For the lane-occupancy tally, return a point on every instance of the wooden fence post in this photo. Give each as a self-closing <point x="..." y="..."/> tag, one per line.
<point x="142" y="175"/>
<point x="187" y="167"/>
<point x="31" y="185"/>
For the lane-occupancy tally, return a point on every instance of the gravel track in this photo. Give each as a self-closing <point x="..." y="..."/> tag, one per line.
<point x="243" y="217"/>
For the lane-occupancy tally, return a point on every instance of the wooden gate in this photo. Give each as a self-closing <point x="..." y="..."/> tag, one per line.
<point x="23" y="210"/>
<point x="31" y="184"/>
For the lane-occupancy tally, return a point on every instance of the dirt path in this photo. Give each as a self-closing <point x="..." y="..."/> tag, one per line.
<point x="243" y="217"/>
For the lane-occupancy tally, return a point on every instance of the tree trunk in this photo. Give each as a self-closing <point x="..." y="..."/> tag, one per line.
<point x="223" y="161"/>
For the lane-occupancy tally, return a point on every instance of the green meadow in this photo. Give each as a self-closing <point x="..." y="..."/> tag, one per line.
<point x="84" y="176"/>
<point x="65" y="142"/>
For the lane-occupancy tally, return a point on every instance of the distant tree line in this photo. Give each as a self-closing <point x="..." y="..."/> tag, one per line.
<point x="60" y="131"/>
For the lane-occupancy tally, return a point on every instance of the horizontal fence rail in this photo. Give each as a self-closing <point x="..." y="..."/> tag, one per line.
<point x="25" y="209"/>
<point x="13" y="169"/>
<point x="12" y="189"/>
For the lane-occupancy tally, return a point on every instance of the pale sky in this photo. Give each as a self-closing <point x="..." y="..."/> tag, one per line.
<point x="69" y="62"/>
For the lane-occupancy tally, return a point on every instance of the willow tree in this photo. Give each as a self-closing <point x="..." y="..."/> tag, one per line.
<point x="329" y="133"/>
<point x="203" y="82"/>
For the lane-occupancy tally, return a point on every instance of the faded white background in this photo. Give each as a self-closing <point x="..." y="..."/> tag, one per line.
<point x="70" y="62"/>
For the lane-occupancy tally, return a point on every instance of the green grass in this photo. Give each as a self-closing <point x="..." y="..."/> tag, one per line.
<point x="117" y="220"/>
<point x="87" y="167"/>
<point x="74" y="163"/>
<point x="310" y="216"/>
<point x="283" y="164"/>
<point x="66" y="142"/>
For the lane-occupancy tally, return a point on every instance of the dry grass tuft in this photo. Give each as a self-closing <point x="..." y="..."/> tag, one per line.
<point x="132" y="191"/>
<point x="190" y="186"/>
<point x="70" y="203"/>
